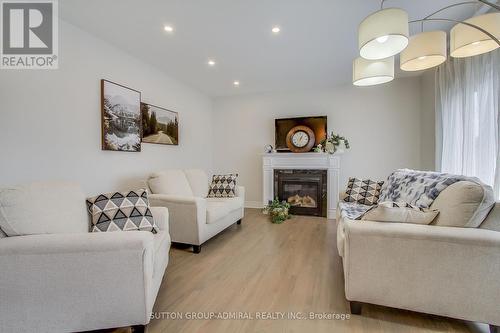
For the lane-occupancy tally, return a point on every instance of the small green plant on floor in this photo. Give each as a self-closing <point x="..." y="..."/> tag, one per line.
<point x="278" y="211"/>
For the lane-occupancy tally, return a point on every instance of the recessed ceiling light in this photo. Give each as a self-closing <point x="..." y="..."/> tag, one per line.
<point x="168" y="28"/>
<point x="236" y="83"/>
<point x="211" y="62"/>
<point x="276" y="29"/>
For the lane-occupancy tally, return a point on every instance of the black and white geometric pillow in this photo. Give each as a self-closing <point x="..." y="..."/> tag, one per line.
<point x="223" y="186"/>
<point x="121" y="211"/>
<point x="363" y="191"/>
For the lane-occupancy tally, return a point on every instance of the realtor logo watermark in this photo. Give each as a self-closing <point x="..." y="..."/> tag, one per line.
<point x="29" y="34"/>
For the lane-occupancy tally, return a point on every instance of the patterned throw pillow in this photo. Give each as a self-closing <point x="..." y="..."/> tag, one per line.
<point x="363" y="191"/>
<point x="223" y="186"/>
<point x="123" y="211"/>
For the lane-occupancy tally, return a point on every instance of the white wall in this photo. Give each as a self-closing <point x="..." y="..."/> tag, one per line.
<point x="50" y="126"/>
<point x="428" y="120"/>
<point x="382" y="124"/>
<point x="50" y="123"/>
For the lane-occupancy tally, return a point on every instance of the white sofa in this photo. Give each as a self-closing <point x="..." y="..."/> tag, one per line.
<point x="444" y="268"/>
<point x="194" y="218"/>
<point x="55" y="276"/>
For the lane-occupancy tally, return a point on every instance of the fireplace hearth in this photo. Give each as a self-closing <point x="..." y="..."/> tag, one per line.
<point x="304" y="190"/>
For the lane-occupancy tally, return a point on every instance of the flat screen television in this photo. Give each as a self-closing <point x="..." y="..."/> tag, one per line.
<point x="284" y="125"/>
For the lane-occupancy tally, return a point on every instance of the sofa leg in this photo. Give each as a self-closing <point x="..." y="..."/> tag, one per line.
<point x="494" y="329"/>
<point x="239" y="222"/>
<point x="196" y="248"/>
<point x="355" y="308"/>
<point x="138" y="329"/>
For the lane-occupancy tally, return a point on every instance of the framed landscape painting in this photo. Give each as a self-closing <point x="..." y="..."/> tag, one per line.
<point x="159" y="125"/>
<point x="121" y="117"/>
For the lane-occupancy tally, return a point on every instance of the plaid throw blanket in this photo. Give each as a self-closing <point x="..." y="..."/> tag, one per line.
<point x="417" y="188"/>
<point x="353" y="210"/>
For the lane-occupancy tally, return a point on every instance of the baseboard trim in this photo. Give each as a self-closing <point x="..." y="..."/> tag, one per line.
<point x="253" y="204"/>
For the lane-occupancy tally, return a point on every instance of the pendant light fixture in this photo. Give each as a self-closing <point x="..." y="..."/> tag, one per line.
<point x="425" y="50"/>
<point x="372" y="72"/>
<point x="466" y="41"/>
<point x="383" y="34"/>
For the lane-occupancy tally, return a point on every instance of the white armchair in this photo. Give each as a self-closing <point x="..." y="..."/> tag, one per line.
<point x="194" y="218"/>
<point x="58" y="277"/>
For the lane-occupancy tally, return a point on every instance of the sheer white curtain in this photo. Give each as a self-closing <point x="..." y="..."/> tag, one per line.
<point x="468" y="118"/>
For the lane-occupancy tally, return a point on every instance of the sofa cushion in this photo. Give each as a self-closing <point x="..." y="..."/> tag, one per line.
<point x="170" y="182"/>
<point x="43" y="208"/>
<point x="492" y="221"/>
<point x="401" y="212"/>
<point x="362" y="191"/>
<point x="198" y="180"/>
<point x="457" y="204"/>
<point x="121" y="211"/>
<point x="223" y="186"/>
<point x="230" y="203"/>
<point x="465" y="204"/>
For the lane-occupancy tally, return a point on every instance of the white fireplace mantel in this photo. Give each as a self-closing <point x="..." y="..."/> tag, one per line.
<point x="304" y="161"/>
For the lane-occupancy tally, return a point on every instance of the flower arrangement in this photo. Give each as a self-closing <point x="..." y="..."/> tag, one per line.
<point x="332" y="143"/>
<point x="278" y="211"/>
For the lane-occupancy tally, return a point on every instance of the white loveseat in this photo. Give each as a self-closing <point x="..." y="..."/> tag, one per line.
<point x="449" y="268"/>
<point x="194" y="218"/>
<point x="55" y="276"/>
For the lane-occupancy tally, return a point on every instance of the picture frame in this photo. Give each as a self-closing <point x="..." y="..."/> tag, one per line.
<point x="159" y="125"/>
<point x="121" y="121"/>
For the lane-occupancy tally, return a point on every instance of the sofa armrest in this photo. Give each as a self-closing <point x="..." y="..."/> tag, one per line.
<point x="187" y="216"/>
<point x="104" y="276"/>
<point x="160" y="215"/>
<point x="240" y="192"/>
<point x="99" y="242"/>
<point x="440" y="270"/>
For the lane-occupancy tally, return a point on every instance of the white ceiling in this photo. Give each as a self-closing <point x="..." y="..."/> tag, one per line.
<point x="315" y="48"/>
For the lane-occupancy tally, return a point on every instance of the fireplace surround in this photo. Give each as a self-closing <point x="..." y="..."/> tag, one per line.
<point x="302" y="161"/>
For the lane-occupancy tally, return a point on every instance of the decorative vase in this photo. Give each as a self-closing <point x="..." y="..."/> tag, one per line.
<point x="329" y="147"/>
<point x="341" y="147"/>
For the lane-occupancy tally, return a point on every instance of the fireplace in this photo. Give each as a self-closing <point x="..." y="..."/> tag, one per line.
<point x="298" y="163"/>
<point x="304" y="190"/>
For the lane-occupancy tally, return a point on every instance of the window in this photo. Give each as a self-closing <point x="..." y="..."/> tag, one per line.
<point x="468" y="118"/>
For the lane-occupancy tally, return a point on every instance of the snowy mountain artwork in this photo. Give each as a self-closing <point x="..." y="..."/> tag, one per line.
<point x="121" y="117"/>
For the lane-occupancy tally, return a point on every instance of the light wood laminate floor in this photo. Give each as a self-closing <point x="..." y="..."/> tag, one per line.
<point x="259" y="266"/>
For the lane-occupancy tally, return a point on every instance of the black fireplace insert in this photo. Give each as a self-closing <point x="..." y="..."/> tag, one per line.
<point x="304" y="190"/>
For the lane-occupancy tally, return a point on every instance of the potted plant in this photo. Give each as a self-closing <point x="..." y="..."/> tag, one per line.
<point x="334" y="143"/>
<point x="278" y="211"/>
